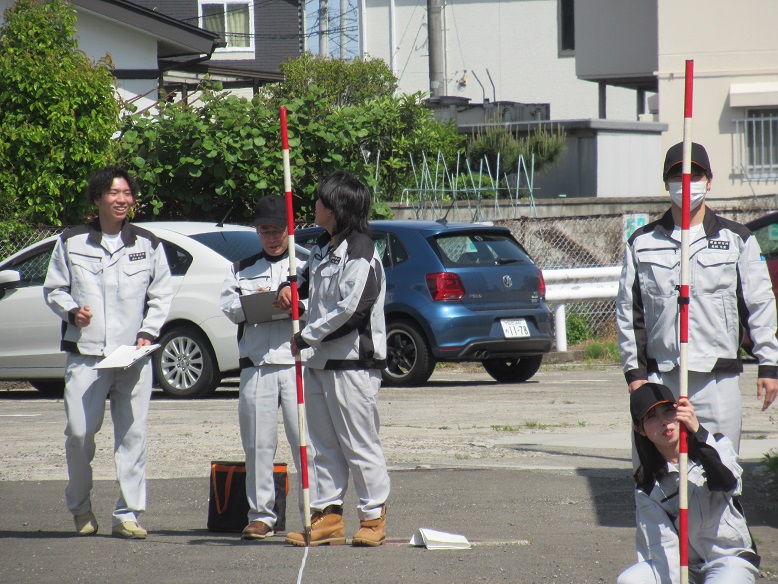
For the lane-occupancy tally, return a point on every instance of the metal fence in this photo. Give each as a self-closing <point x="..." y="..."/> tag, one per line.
<point x="593" y="241"/>
<point x="557" y="242"/>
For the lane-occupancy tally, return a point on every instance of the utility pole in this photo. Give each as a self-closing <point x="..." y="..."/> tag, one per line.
<point x="343" y="39"/>
<point x="324" y="28"/>
<point x="435" y="42"/>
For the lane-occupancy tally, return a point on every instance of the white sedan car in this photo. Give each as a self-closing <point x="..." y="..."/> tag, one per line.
<point x="198" y="343"/>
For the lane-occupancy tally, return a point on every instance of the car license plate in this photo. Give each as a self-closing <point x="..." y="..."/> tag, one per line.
<point x="514" y="328"/>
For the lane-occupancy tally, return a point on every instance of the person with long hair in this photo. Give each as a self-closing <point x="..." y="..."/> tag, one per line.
<point x="721" y="550"/>
<point x="344" y="350"/>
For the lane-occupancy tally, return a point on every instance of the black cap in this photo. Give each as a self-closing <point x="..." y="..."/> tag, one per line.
<point x="646" y="397"/>
<point x="270" y="210"/>
<point x="699" y="157"/>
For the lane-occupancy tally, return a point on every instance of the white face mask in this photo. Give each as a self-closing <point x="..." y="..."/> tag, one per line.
<point x="697" y="192"/>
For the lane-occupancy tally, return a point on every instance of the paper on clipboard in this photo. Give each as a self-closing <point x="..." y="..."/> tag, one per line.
<point x="124" y="356"/>
<point x="259" y="307"/>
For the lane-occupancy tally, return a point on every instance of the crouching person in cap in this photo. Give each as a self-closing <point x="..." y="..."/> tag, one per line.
<point x="721" y="550"/>
<point x="344" y="350"/>
<point x="730" y="289"/>
<point x="267" y="376"/>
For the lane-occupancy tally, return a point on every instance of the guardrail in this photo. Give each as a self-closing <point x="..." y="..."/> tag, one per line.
<point x="577" y="285"/>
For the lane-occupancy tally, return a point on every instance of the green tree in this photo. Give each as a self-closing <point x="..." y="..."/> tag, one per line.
<point x="500" y="149"/>
<point x="343" y="83"/>
<point x="204" y="161"/>
<point x="58" y="113"/>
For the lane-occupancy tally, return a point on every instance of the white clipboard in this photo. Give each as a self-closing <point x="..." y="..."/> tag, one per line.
<point x="125" y="356"/>
<point x="259" y="308"/>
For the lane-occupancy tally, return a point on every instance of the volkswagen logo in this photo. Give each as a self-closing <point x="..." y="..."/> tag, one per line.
<point x="506" y="280"/>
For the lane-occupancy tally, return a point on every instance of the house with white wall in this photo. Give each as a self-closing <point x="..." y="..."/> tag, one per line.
<point x="497" y="50"/>
<point x="525" y="51"/>
<point x="645" y="44"/>
<point x="256" y="37"/>
<point x="138" y="41"/>
<point x="612" y="73"/>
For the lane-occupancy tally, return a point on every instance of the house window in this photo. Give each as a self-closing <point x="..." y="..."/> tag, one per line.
<point x="758" y="133"/>
<point x="230" y="20"/>
<point x="566" y="28"/>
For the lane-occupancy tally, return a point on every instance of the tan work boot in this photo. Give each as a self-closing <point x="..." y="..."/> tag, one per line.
<point x="128" y="530"/>
<point x="371" y="532"/>
<point x="257" y="530"/>
<point x="326" y="528"/>
<point x="86" y="523"/>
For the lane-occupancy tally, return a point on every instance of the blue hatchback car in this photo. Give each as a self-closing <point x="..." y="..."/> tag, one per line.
<point x="457" y="292"/>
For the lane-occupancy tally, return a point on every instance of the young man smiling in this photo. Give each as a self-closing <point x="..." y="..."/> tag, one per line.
<point x="110" y="284"/>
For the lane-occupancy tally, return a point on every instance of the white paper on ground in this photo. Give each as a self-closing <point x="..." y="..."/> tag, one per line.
<point x="124" y="356"/>
<point x="439" y="540"/>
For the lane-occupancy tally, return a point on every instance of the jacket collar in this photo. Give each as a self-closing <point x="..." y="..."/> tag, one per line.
<point x="96" y="233"/>
<point x="711" y="223"/>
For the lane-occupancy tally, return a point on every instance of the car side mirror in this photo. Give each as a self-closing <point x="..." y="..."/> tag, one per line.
<point x="9" y="279"/>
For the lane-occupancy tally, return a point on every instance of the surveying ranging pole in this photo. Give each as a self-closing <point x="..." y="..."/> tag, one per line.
<point x="298" y="364"/>
<point x="683" y="310"/>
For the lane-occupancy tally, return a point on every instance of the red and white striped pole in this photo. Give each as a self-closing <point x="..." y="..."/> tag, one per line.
<point x="683" y="305"/>
<point x="298" y="364"/>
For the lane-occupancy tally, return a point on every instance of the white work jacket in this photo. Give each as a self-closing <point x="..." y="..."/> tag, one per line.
<point x="128" y="291"/>
<point x="730" y="288"/>
<point x="265" y="343"/>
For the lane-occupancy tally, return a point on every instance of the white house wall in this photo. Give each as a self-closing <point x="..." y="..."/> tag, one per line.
<point x="736" y="45"/>
<point x="128" y="48"/>
<point x="516" y="40"/>
<point x="629" y="165"/>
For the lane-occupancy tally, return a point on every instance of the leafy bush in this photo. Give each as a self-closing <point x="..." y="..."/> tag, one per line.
<point x="547" y="146"/>
<point x="343" y="83"/>
<point x="218" y="158"/>
<point x="497" y="148"/>
<point x="577" y="328"/>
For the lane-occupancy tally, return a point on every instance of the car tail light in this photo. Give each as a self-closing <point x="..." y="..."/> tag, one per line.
<point x="445" y="286"/>
<point x="541" y="285"/>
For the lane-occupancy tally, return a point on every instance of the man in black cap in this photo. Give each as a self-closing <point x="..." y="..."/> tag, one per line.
<point x="730" y="288"/>
<point x="267" y="376"/>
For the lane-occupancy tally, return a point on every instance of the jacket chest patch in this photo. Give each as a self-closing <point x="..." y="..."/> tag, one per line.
<point x="335" y="260"/>
<point x="718" y="244"/>
<point x="134" y="257"/>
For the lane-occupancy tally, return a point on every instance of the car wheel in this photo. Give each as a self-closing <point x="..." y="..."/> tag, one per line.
<point x="409" y="359"/>
<point x="513" y="370"/>
<point x="184" y="365"/>
<point x="49" y="387"/>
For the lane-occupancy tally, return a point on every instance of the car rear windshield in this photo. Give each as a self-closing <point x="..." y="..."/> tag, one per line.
<point x="479" y="249"/>
<point x="233" y="245"/>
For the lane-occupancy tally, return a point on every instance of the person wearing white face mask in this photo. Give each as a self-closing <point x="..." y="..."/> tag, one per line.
<point x="730" y="292"/>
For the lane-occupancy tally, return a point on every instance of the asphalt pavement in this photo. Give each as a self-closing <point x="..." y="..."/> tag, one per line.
<point x="560" y="511"/>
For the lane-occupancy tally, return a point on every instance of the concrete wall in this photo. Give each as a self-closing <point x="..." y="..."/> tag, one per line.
<point x="587" y="207"/>
<point x="516" y="40"/>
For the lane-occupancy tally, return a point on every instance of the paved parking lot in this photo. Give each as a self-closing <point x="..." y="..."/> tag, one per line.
<point x="536" y="476"/>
